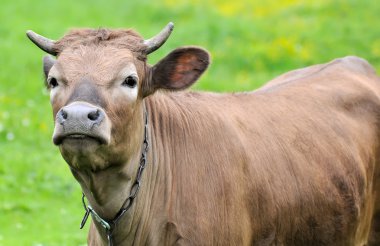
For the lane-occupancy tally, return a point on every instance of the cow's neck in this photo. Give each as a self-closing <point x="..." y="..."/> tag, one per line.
<point x="107" y="190"/>
<point x="155" y="195"/>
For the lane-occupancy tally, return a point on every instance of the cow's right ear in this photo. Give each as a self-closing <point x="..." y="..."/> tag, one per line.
<point x="48" y="62"/>
<point x="178" y="70"/>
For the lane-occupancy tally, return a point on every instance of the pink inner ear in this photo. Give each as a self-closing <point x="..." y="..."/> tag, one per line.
<point x="185" y="70"/>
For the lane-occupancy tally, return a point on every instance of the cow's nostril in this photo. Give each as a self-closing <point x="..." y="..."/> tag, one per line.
<point x="94" y="115"/>
<point x="64" y="114"/>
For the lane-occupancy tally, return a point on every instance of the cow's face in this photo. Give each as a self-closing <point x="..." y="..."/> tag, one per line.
<point x="94" y="92"/>
<point x="97" y="91"/>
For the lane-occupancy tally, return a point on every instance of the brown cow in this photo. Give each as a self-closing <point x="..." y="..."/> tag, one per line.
<point x="292" y="163"/>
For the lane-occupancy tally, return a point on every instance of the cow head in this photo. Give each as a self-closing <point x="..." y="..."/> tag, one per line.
<point x="97" y="85"/>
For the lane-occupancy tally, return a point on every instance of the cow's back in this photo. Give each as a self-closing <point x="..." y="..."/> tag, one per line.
<point x="292" y="163"/>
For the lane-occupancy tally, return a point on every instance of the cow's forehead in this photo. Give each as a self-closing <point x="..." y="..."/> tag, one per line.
<point x="102" y="64"/>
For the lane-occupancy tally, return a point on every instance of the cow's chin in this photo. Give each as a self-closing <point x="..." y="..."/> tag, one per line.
<point x="83" y="153"/>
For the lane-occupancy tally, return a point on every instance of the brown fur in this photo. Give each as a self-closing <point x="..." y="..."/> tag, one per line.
<point x="124" y="39"/>
<point x="281" y="176"/>
<point x="293" y="163"/>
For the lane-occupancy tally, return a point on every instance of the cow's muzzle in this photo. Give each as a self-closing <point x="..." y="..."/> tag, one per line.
<point x="80" y="121"/>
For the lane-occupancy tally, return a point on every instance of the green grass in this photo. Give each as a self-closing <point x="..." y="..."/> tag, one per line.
<point x="250" y="43"/>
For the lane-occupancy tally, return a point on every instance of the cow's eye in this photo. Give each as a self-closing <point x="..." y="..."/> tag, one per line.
<point x="130" y="81"/>
<point x="53" y="83"/>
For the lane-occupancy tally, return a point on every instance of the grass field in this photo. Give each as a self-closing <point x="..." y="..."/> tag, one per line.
<point x="250" y="42"/>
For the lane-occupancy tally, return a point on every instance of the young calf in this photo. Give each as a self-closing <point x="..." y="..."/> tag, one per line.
<point x="295" y="162"/>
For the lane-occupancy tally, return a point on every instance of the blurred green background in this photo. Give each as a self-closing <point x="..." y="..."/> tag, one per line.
<point x="250" y="43"/>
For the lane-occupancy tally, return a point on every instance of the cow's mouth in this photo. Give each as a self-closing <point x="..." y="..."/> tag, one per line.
<point x="79" y="138"/>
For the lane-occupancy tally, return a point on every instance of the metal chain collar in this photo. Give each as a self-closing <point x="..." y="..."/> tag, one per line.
<point x="109" y="226"/>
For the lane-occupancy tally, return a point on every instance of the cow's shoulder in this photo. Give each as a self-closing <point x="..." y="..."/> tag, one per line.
<point x="341" y="67"/>
<point x="354" y="64"/>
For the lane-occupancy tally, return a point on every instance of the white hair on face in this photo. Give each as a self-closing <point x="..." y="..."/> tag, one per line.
<point x="53" y="73"/>
<point x="128" y="93"/>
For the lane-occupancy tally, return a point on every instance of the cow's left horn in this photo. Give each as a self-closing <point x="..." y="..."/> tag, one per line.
<point x="43" y="43"/>
<point x="155" y="42"/>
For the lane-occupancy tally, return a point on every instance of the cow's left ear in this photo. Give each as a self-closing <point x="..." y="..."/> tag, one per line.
<point x="178" y="70"/>
<point x="48" y="62"/>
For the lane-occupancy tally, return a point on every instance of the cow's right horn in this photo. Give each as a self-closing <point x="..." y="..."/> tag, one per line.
<point x="155" y="42"/>
<point x="43" y="43"/>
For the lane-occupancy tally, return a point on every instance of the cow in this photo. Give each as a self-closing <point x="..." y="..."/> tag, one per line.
<point x="295" y="162"/>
